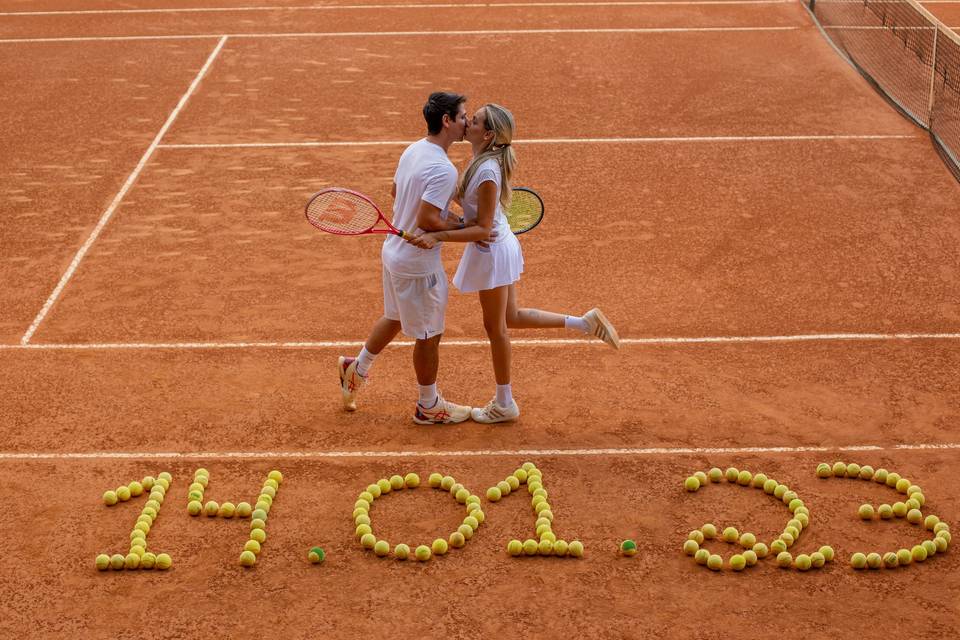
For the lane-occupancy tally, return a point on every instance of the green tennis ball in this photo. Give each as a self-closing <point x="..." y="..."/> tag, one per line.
<point x="874" y="560"/>
<point x="761" y="550"/>
<point x="515" y="548"/>
<point x="885" y="511"/>
<point x="890" y="560"/>
<point x="148" y="561"/>
<point x="840" y="469"/>
<point x="904" y="557"/>
<point x="493" y="494"/>
<point x="730" y="534"/>
<point x="744" y="478"/>
<point x="824" y="470"/>
<point x="919" y="553"/>
<point x="102" y="563"/>
<point x="747" y="540"/>
<point x="260" y="535"/>
<point x="853" y="470"/>
<point x="903" y="484"/>
<point x="381" y="548"/>
<point x="439" y="547"/>
<point x="248" y="559"/>
<point x="880" y="475"/>
<point x="778" y="546"/>
<point x="914" y="516"/>
<point x="691" y="483"/>
<point x="715" y="474"/>
<point x="732" y="473"/>
<point x="770" y="486"/>
<point x="110" y="498"/>
<point x="575" y="549"/>
<point x="930" y="522"/>
<point x="397" y="483"/>
<point x="780" y="491"/>
<point x="858" y="560"/>
<point x="211" y="508"/>
<point x="194" y="508"/>
<point x="900" y="509"/>
<point x="892" y="479"/>
<point x="827" y="553"/>
<point x="422" y="553"/>
<point x="784" y="559"/>
<point x="738" y="562"/>
<point x="254" y="546"/>
<point x="530" y="547"/>
<point x="629" y="548"/>
<point x="758" y="481"/>
<point x="367" y="540"/>
<point x="702" y="477"/>
<point x="817" y="559"/>
<point x="803" y="561"/>
<point x="316" y="555"/>
<point x="866" y="472"/>
<point x="865" y="512"/>
<point x="709" y="531"/>
<point x="697" y="536"/>
<point x="385" y="486"/>
<point x="714" y="562"/>
<point x="690" y="547"/>
<point x="701" y="556"/>
<point x="456" y="540"/>
<point x="930" y="546"/>
<point x="401" y="551"/>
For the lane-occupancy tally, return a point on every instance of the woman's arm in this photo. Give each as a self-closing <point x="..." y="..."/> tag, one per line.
<point x="486" y="207"/>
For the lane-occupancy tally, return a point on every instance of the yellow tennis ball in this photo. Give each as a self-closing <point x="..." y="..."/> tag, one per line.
<point x="457" y="540"/>
<point x="575" y="549"/>
<point x="732" y="473"/>
<point x="401" y="551"/>
<point x="381" y="548"/>
<point x="730" y="534"/>
<point x="900" y="509"/>
<point x="770" y="486"/>
<point x="447" y="482"/>
<point x="513" y="481"/>
<point x="514" y="548"/>
<point x="211" y="508"/>
<point x="423" y="553"/>
<point x="890" y="560"/>
<point x="316" y="555"/>
<point x="267" y="490"/>
<point x="466" y="530"/>
<point x="885" y="511"/>
<point x="778" y="546"/>
<point x="117" y="561"/>
<point x="903" y="484"/>
<point x="761" y="550"/>
<point x="941" y="543"/>
<point x="892" y="479"/>
<point x="435" y="480"/>
<point x="780" y="490"/>
<point x="865" y="512"/>
<point x="747" y="540"/>
<point x="135" y="488"/>
<point x="701" y="556"/>
<point x="478" y="515"/>
<point x="439" y="547"/>
<point x="243" y="510"/>
<point x="110" y="498"/>
<point x="715" y="474"/>
<point x="374" y="490"/>
<point x="737" y="562"/>
<point x="368" y="540"/>
<point x="147" y="483"/>
<point x="824" y="470"/>
<point x="253" y="546"/>
<point x="904" y="557"/>
<point x="123" y="493"/>
<point x="530" y="547"/>
<point x="163" y="483"/>
<point x="259" y="535"/>
<point x="411" y="480"/>
<point x="361" y="519"/>
<point x="930" y="546"/>
<point x="148" y="561"/>
<point x="930" y="522"/>
<point x="462" y="495"/>
<point x="803" y="561"/>
<point x="691" y="484"/>
<point x="914" y="516"/>
<point x="561" y="548"/>
<point x="257" y="523"/>
<point x="472" y="506"/>
<point x="227" y="510"/>
<point x="521" y="475"/>
<point x="827" y="553"/>
<point x="690" y="547"/>
<point x="102" y="563"/>
<point x="132" y="561"/>
<point x="248" y="559"/>
<point x="866" y="472"/>
<point x="913" y="504"/>
<point x="697" y="536"/>
<point x="784" y="559"/>
<point x="919" y="553"/>
<point x="918" y="497"/>
<point x="545" y="548"/>
<point x="788" y="538"/>
<point x="853" y="470"/>
<point x="504" y="487"/>
<point x="744" y="478"/>
<point x="858" y="560"/>
<point x="874" y="560"/>
<point x="472" y="522"/>
<point x="397" y="483"/>
<point x="840" y="469"/>
<point x="709" y="531"/>
<point x="714" y="562"/>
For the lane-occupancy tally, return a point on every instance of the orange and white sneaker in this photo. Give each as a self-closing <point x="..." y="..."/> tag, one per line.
<point x="493" y="412"/>
<point x="599" y="326"/>
<point x="350" y="382"/>
<point x="443" y="412"/>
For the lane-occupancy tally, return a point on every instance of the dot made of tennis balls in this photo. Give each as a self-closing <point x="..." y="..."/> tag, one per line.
<point x="714" y="562"/>
<point x="744" y="478"/>
<point x="260" y="535"/>
<point x="252" y="545"/>
<point x="738" y="562"/>
<point x="784" y="559"/>
<point x="840" y="469"/>
<point x="803" y="561"/>
<point x="770" y="486"/>
<point x="747" y="540"/>
<point x="248" y="559"/>
<point x="730" y="534"/>
<point x="401" y="551"/>
<point x="858" y="560"/>
<point x="904" y="557"/>
<point x="367" y="540"/>
<point x="817" y="559"/>
<point x="456" y="540"/>
<point x="853" y="470"/>
<point x="914" y="516"/>
<point x="690" y="547"/>
<point x="102" y="562"/>
<point x="709" y="531"/>
<point x="874" y="560"/>
<point x="691" y="483"/>
<point x="575" y="549"/>
<point x="411" y="480"/>
<point x="715" y="474"/>
<point x="865" y="512"/>
<point x="110" y="498"/>
<point x="629" y="548"/>
<point x="761" y="550"/>
<point x="381" y="548"/>
<point x="316" y="555"/>
<point x="731" y="474"/>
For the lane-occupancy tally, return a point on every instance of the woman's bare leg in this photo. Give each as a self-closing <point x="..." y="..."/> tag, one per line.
<point x="494" y="305"/>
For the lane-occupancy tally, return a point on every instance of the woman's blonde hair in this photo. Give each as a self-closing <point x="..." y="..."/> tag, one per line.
<point x="500" y="121"/>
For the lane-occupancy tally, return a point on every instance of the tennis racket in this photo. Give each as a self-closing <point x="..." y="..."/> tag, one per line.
<point x="348" y="213"/>
<point x="526" y="210"/>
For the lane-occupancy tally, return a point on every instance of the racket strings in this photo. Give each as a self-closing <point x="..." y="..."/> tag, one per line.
<point x="525" y="210"/>
<point x="342" y="212"/>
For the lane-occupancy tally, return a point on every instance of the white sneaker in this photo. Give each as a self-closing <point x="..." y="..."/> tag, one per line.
<point x="443" y="412"/>
<point x="350" y="382"/>
<point x="493" y="412"/>
<point x="599" y="326"/>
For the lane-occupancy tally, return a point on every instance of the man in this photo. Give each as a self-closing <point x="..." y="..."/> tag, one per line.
<point x="414" y="282"/>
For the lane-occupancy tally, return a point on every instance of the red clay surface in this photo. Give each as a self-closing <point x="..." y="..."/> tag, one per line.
<point x="74" y="5"/>
<point x="949" y="13"/>
<point x="77" y="119"/>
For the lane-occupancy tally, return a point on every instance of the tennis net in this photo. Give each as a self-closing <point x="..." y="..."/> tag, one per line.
<point x="908" y="55"/>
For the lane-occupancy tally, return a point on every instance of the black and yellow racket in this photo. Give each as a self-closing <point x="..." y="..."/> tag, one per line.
<point x="526" y="210"/>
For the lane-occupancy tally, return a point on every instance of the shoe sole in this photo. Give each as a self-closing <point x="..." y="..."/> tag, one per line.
<point x="614" y="338"/>
<point x="349" y="403"/>
<point x="428" y="422"/>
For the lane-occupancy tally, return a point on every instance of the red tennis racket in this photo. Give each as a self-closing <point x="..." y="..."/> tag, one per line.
<point x="348" y="213"/>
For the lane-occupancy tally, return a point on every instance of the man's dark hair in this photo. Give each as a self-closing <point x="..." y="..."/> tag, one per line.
<point x="438" y="104"/>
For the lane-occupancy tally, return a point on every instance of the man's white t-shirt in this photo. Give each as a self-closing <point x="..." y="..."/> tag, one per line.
<point x="423" y="173"/>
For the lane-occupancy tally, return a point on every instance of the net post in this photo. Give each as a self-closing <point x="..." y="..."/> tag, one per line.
<point x="933" y="72"/>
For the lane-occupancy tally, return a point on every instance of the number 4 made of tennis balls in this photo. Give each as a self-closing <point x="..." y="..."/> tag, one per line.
<point x="138" y="557"/>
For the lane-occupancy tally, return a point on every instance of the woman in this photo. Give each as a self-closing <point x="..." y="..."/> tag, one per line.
<point x="493" y="267"/>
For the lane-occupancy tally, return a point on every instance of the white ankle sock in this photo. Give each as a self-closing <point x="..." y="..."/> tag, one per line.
<point x="365" y="361"/>
<point x="504" y="395"/>
<point x="428" y="395"/>
<point x="576" y="322"/>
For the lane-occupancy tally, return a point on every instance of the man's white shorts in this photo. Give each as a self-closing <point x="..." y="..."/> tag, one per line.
<point x="420" y="304"/>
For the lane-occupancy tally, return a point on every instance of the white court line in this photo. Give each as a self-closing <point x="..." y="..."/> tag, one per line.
<point x="637" y="140"/>
<point x="374" y="34"/>
<point x="530" y="342"/>
<point x="492" y="453"/>
<point x="352" y="7"/>
<point x="120" y="194"/>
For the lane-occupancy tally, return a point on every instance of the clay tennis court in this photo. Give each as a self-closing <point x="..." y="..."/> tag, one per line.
<point x="777" y="245"/>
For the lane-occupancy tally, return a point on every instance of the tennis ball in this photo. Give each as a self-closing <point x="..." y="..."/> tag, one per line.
<point x="715" y="474"/>
<point x="744" y="478"/>
<point x="102" y="563"/>
<point x="530" y="547"/>
<point x="730" y="534"/>
<point x="853" y="470"/>
<point x="135" y="488"/>
<point x="914" y="516"/>
<point x="817" y="559"/>
<point x="316" y="555"/>
<point x="709" y="531"/>
<point x="143" y="526"/>
<point x="912" y="504"/>
<point x="690" y="547"/>
<point x="397" y="483"/>
<point x="536" y="500"/>
<point x="760" y="550"/>
<point x="880" y="475"/>
<point x="930" y="522"/>
<point x="629" y="548"/>
<point x="758" y="480"/>
<point x="260" y="535"/>
<point x="381" y="548"/>
<point x="544" y="507"/>
<point x="770" y="486"/>
<point x="866" y="472"/>
<point x="227" y="509"/>
<point x="117" y="562"/>
<point x="691" y="483"/>
<point x="513" y="482"/>
<point x="196" y="487"/>
<point x="874" y="560"/>
<point x="560" y="548"/>
<point x="919" y="497"/>
<point x="840" y="469"/>
<point x="138" y="549"/>
<point x="528" y="466"/>
<point x="363" y="518"/>
<point x="504" y="487"/>
<point x="447" y="482"/>
<point x="802" y="518"/>
<point x="788" y="538"/>
<point x="163" y="483"/>
<point x="858" y="560"/>
<point x="248" y="559"/>
<point x="780" y="490"/>
<point x="945" y="535"/>
<point x="543" y="529"/>
<point x="892" y="479"/>
<point x="493" y="494"/>
<point x="778" y="546"/>
<point x="265" y="506"/>
<point x="801" y="510"/>
<point x="827" y="553"/>
<point x="401" y="551"/>
<point x="165" y="475"/>
<point x="147" y="483"/>
<point x="732" y="473"/>
<point x="899" y="509"/>
<point x="466" y="530"/>
<point x="548" y="535"/>
<point x="439" y="547"/>
<point x="259" y="514"/>
<point x="942" y="544"/>
<point x="784" y="559"/>
<point x="575" y="549"/>
<point x="545" y="548"/>
<point x="865" y="512"/>
<point x="788" y="495"/>
<point x="367" y="540"/>
<point x="514" y="548"/>
<point x="930" y="546"/>
<point x="374" y="490"/>
<point x="750" y="557"/>
<point x="697" y="536"/>
<point x="472" y="506"/>
<point x="904" y="557"/>
<point x="521" y="475"/>
<point x="747" y="540"/>
<point x="411" y="480"/>
<point x="738" y="562"/>
<point x="903" y="484"/>
<point x="803" y="561"/>
<point x="359" y="504"/>
<point x="701" y="556"/>
<point x="714" y="562"/>
<point x="211" y="508"/>
<point x="941" y="526"/>
<point x="434" y="480"/>
<point x="252" y="545"/>
<point x="890" y="560"/>
<point x="148" y="561"/>
<point x="794" y="504"/>
<point x="132" y="561"/>
<point x="885" y="511"/>
<point x="702" y="477"/>
<point x="472" y="522"/>
<point x="456" y="540"/>
<point x="919" y="553"/>
<point x="110" y="498"/>
<point x="123" y="493"/>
